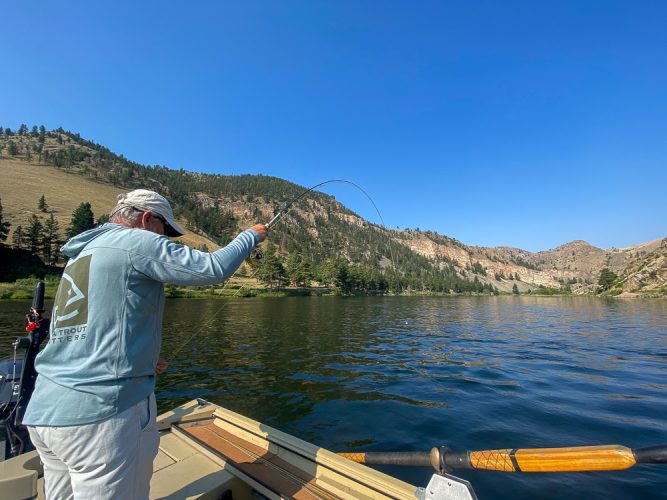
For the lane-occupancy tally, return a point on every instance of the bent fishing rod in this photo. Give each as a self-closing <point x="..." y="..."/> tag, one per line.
<point x="289" y="204"/>
<point x="256" y="256"/>
<point x="572" y="459"/>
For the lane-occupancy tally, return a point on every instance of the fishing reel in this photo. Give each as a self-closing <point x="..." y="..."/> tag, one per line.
<point x="255" y="258"/>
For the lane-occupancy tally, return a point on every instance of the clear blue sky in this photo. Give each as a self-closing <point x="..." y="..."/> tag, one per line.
<point x="527" y="124"/>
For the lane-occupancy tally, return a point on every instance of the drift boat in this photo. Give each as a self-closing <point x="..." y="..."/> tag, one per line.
<point x="209" y="452"/>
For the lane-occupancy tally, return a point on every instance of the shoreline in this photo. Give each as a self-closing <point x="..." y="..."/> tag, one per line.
<point x="23" y="289"/>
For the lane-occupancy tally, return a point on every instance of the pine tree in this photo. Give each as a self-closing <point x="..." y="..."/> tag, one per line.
<point x="12" y="148"/>
<point x="298" y="270"/>
<point x="515" y="289"/>
<point x="82" y="220"/>
<point x="327" y="272"/>
<point x="342" y="279"/>
<point x="4" y="226"/>
<point x="34" y="234"/>
<point x="102" y="219"/>
<point x="51" y="240"/>
<point x="17" y="238"/>
<point x="271" y="270"/>
<point x="607" y="279"/>
<point x="41" y="205"/>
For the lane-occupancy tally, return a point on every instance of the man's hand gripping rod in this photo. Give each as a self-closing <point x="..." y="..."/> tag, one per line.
<point x="256" y="255"/>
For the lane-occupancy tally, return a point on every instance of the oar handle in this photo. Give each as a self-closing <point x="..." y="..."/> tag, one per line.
<point x="572" y="459"/>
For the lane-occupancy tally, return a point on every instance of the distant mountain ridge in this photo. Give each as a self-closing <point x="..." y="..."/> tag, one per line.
<point x="214" y="207"/>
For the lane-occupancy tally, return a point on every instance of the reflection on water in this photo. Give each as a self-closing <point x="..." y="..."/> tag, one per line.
<point x="410" y="373"/>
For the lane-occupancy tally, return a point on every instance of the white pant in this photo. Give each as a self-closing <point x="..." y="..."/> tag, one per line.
<point x="110" y="459"/>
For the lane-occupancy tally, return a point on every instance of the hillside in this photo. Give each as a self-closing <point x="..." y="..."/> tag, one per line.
<point x="646" y="273"/>
<point x="69" y="170"/>
<point x="575" y="266"/>
<point x="23" y="184"/>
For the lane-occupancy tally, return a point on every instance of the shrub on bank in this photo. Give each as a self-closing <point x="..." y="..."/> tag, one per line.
<point x="24" y="288"/>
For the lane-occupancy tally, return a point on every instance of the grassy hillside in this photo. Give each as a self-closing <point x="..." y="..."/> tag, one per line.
<point x="23" y="184"/>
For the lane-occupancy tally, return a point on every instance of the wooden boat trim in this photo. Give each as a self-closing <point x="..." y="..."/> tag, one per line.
<point x="285" y="443"/>
<point x="279" y="465"/>
<point x="253" y="464"/>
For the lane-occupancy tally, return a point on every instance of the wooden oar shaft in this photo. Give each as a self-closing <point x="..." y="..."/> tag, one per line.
<point x="580" y="458"/>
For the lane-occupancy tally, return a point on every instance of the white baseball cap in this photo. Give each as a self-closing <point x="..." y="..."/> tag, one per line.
<point x="145" y="200"/>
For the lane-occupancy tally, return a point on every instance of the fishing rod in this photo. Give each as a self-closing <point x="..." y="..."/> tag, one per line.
<point x="289" y="204"/>
<point x="572" y="459"/>
<point x="256" y="256"/>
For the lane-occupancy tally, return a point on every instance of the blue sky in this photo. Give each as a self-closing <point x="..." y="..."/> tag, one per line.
<point x="527" y="124"/>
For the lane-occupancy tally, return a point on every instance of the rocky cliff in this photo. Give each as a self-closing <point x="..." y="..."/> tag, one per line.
<point x="574" y="266"/>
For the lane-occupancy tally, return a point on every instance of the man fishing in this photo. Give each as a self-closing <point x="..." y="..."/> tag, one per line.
<point x="92" y="413"/>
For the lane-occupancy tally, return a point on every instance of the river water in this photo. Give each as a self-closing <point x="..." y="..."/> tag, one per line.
<point x="409" y="373"/>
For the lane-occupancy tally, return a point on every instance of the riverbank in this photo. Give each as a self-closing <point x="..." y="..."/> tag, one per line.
<point x="240" y="286"/>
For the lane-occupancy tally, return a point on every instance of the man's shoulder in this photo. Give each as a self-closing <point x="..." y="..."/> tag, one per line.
<point x="130" y="238"/>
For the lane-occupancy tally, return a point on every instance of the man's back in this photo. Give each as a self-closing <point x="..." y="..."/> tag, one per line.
<point x="105" y="331"/>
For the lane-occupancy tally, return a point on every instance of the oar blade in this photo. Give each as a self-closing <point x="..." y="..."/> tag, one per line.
<point x="573" y="459"/>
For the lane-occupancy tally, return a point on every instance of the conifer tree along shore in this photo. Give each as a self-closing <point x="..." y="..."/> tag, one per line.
<point x="83" y="219"/>
<point x="4" y="226"/>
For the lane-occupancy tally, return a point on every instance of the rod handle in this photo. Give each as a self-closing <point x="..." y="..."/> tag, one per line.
<point x="38" y="297"/>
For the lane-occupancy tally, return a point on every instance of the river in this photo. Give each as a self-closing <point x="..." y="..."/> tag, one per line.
<point x="409" y="373"/>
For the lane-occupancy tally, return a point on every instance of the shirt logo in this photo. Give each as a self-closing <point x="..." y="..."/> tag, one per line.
<point x="70" y="311"/>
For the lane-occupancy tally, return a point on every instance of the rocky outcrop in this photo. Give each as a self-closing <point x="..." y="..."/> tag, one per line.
<point x="574" y="266"/>
<point x="647" y="275"/>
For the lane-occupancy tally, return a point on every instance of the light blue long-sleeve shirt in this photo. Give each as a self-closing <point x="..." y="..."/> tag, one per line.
<point x="106" y="324"/>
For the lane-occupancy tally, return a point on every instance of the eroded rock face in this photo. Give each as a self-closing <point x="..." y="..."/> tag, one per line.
<point x="576" y="265"/>
<point x="648" y="274"/>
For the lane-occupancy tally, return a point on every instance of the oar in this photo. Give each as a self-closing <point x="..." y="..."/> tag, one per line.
<point x="574" y="459"/>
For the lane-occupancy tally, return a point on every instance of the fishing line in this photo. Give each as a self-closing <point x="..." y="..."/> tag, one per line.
<point x="258" y="257"/>
<point x="257" y="254"/>
<point x="213" y="317"/>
